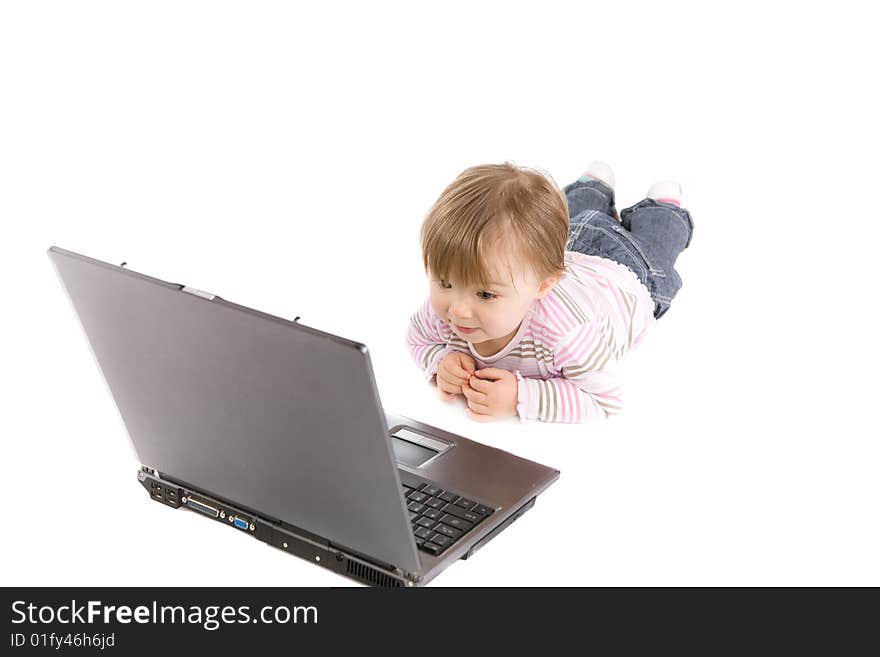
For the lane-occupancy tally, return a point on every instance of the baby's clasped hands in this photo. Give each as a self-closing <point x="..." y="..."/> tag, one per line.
<point x="491" y="393"/>
<point x="453" y="372"/>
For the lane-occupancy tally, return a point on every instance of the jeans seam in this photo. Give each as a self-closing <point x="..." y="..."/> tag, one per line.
<point x="624" y="247"/>
<point x="595" y="189"/>
<point x="580" y="184"/>
<point x="572" y="238"/>
<point x="636" y="246"/>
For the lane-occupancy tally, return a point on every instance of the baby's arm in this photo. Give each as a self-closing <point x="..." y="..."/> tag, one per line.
<point x="426" y="337"/>
<point x="589" y="388"/>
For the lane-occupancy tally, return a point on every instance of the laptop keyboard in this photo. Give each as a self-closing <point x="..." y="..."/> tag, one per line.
<point x="440" y="518"/>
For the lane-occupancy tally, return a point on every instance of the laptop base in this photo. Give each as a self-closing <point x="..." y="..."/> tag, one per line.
<point x="279" y="535"/>
<point x="488" y="537"/>
<point x="291" y="539"/>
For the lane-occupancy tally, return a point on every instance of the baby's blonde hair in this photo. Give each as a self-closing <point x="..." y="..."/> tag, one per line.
<point x="518" y="210"/>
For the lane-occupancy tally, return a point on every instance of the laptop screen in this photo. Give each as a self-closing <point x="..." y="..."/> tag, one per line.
<point x="269" y="414"/>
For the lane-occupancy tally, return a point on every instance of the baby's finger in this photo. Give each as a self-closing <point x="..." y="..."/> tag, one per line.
<point x="462" y="373"/>
<point x="454" y="374"/>
<point x="478" y="407"/>
<point x="469" y="364"/>
<point x="474" y="395"/>
<point x="481" y="385"/>
<point x="447" y="386"/>
<point x="492" y="373"/>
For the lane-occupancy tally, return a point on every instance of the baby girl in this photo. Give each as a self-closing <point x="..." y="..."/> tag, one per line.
<point x="535" y="295"/>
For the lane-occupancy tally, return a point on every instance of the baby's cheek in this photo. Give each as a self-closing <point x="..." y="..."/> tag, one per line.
<point x="438" y="310"/>
<point x="498" y="327"/>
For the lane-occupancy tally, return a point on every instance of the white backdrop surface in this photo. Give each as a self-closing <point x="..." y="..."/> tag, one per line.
<point x="283" y="156"/>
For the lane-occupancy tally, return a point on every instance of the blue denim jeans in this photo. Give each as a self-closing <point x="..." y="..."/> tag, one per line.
<point x="647" y="239"/>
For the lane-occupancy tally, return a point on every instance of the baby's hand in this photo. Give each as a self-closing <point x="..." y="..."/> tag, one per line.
<point x="491" y="394"/>
<point x="453" y="372"/>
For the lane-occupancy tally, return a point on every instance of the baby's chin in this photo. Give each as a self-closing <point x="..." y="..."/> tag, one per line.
<point x="477" y="338"/>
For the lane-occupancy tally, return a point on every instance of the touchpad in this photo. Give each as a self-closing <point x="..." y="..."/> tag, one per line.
<point x="410" y="453"/>
<point x="415" y="449"/>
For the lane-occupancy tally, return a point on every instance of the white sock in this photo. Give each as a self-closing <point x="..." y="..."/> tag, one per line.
<point x="667" y="191"/>
<point x="599" y="170"/>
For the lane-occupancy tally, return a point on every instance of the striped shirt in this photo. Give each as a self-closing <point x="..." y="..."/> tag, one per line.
<point x="567" y="349"/>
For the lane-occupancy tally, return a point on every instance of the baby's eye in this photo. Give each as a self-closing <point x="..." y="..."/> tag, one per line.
<point x="443" y="284"/>
<point x="487" y="298"/>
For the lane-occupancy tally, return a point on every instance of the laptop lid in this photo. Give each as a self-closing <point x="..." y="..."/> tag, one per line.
<point x="268" y="413"/>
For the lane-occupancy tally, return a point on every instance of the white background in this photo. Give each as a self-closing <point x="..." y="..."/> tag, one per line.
<point x="283" y="156"/>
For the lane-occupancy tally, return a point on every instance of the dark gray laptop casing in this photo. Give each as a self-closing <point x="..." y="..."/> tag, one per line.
<point x="275" y="416"/>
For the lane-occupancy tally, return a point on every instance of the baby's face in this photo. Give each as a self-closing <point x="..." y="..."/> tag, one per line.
<point x="490" y="313"/>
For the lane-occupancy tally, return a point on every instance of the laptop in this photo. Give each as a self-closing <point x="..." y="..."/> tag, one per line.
<point x="275" y="429"/>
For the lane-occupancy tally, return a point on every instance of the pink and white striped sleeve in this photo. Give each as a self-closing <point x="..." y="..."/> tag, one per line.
<point x="427" y="339"/>
<point x="589" y="388"/>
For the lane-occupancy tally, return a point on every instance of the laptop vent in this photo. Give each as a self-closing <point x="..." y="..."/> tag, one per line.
<point x="371" y="576"/>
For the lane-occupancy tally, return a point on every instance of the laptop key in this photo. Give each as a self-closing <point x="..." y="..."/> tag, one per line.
<point x="448" y="531"/>
<point x="441" y="540"/>
<point x="417" y="496"/>
<point x="426" y="522"/>
<point x="433" y="548"/>
<point x="432" y="513"/>
<point x="470" y="516"/>
<point x="431" y="490"/>
<point x="424" y="532"/>
<point x="455" y="521"/>
<point x="483" y="510"/>
<point x="464" y="503"/>
<point x="448" y="497"/>
<point x="415" y="507"/>
<point x="434" y="502"/>
<point x="413" y="515"/>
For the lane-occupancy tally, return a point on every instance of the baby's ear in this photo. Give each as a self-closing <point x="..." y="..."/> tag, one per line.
<point x="547" y="284"/>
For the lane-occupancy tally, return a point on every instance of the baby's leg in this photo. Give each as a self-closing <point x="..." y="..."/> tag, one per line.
<point x="661" y="229"/>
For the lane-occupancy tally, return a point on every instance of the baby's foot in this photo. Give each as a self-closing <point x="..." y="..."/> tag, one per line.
<point x="666" y="191"/>
<point x="599" y="170"/>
